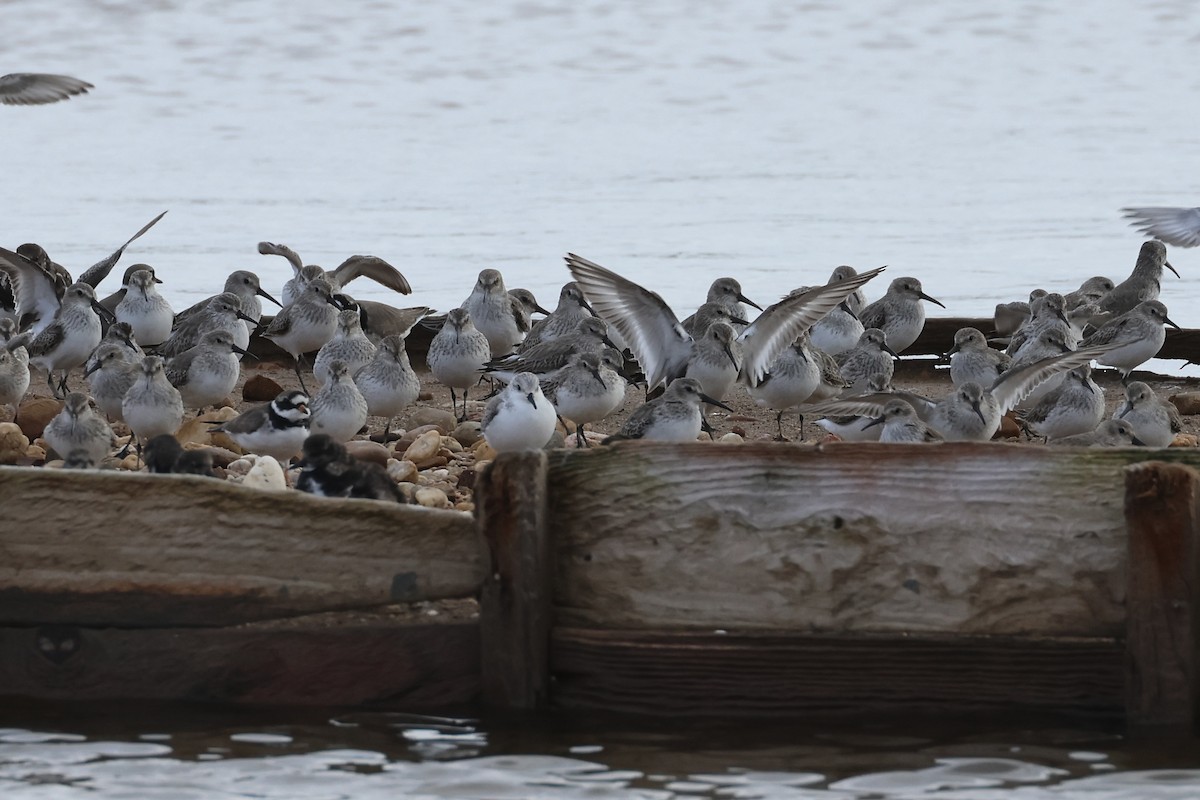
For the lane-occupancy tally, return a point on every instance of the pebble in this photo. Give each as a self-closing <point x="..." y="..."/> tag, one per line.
<point x="35" y="414"/>
<point x="429" y="415"/>
<point x="365" y="450"/>
<point x="1188" y="403"/>
<point x="431" y="498"/>
<point x="266" y="474"/>
<point x="240" y="466"/>
<point x="411" y="435"/>
<point x="220" y="456"/>
<point x="451" y="445"/>
<point x="467" y="433"/>
<point x="13" y="442"/>
<point x="402" y="471"/>
<point x="483" y="452"/>
<point x="731" y="438"/>
<point x="260" y="389"/>
<point x="36" y="452"/>
<point x="424" y="449"/>
<point x="1184" y="440"/>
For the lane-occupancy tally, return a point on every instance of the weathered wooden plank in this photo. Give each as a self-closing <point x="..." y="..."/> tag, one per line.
<point x="515" y="617"/>
<point x="753" y="674"/>
<point x="1161" y="640"/>
<point x="112" y="548"/>
<point x="967" y="538"/>
<point x="937" y="337"/>
<point x="331" y="662"/>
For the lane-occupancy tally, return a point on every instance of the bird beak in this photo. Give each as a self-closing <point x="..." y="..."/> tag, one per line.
<point x="103" y="312"/>
<point x="738" y="320"/>
<point x="237" y="349"/>
<point x="1058" y="313"/>
<point x="540" y="310"/>
<point x="1172" y="324"/>
<point x="337" y="301"/>
<point x="713" y="402"/>
<point x="924" y="296"/>
<point x="873" y="423"/>
<point x="584" y="303"/>
<point x="248" y="318"/>
<point x="743" y="299"/>
<point x="1136" y="441"/>
<point x="532" y="402"/>
<point x="263" y="293"/>
<point x="95" y="366"/>
<point x="978" y="412"/>
<point x="1088" y="385"/>
<point x="884" y="347"/>
<point x="1167" y="264"/>
<point x="608" y="342"/>
<point x="844" y="306"/>
<point x="732" y="360"/>
<point x="596" y="375"/>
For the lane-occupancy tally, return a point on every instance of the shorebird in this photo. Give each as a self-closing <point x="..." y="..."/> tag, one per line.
<point x="160" y="454"/>
<point x="673" y="416"/>
<point x="14" y="366"/>
<point x="1109" y="433"/>
<point x="519" y="417"/>
<point x="328" y="470"/>
<point x="716" y="360"/>
<point x="306" y="324"/>
<point x="388" y="383"/>
<point x="572" y="308"/>
<point x="145" y="310"/>
<point x="587" y="390"/>
<point x="353" y="267"/>
<point x="79" y="427"/>
<point x="121" y="334"/>
<point x="1092" y="290"/>
<point x="664" y="349"/>
<point x="457" y="354"/>
<point x="727" y="293"/>
<point x="37" y="88"/>
<point x="902" y="425"/>
<point x="491" y="310"/>
<point x="870" y="357"/>
<point x="1144" y="283"/>
<point x="246" y="286"/>
<point x="223" y="313"/>
<point x="152" y="405"/>
<point x="348" y="345"/>
<point x="899" y="313"/>
<point x="277" y="429"/>
<point x="1154" y="420"/>
<point x="854" y="427"/>
<point x="1045" y="313"/>
<point x="113" y="300"/>
<point x="1177" y="226"/>
<point x="207" y="373"/>
<point x="973" y="361"/>
<point x="525" y="305"/>
<point x="590" y="336"/>
<point x="1050" y="342"/>
<point x="110" y="372"/>
<point x="68" y="340"/>
<point x="1133" y="338"/>
<point x="790" y="380"/>
<point x="339" y="408"/>
<point x="1076" y="406"/>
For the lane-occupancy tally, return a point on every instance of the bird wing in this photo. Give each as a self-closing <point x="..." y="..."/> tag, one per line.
<point x="34" y="290"/>
<point x="868" y="405"/>
<point x="246" y="422"/>
<point x="1108" y="332"/>
<point x="99" y="271"/>
<point x="280" y="325"/>
<point x="783" y="322"/>
<point x="374" y="268"/>
<point x="642" y="317"/>
<point x="1177" y="226"/>
<point x="293" y="258"/>
<point x="50" y="338"/>
<point x="177" y="368"/>
<point x="32" y="88"/>
<point x="1015" y="385"/>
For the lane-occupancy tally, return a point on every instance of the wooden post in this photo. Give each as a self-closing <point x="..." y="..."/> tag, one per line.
<point x="1161" y="640"/>
<point x="515" y="604"/>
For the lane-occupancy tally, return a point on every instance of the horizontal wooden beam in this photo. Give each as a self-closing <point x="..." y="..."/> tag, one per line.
<point x="938" y="337"/>
<point x="124" y="549"/>
<point x="341" y="661"/>
<point x="750" y="674"/>
<point x="968" y="538"/>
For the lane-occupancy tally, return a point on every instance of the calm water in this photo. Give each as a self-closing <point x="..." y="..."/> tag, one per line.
<point x="983" y="151"/>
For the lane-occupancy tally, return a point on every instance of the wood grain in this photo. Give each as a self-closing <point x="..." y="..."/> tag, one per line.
<point x="964" y="538"/>
<point x="1161" y="640"/>
<point x="757" y="674"/>
<point x="112" y="548"/>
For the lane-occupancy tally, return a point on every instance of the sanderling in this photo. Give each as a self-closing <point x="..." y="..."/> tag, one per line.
<point x="456" y="355"/>
<point x="519" y="417"/>
<point x="674" y="416"/>
<point x="206" y="374"/>
<point x="871" y="356"/>
<point x="388" y="382"/>
<point x="152" y="405"/>
<point x="306" y="324"/>
<point x="524" y="306"/>
<point x="491" y="310"/>
<point x="348" y="345"/>
<point x="902" y="425"/>
<point x="67" y="341"/>
<point x="353" y="267"/>
<point x="248" y="288"/>
<point x="588" y="389"/>
<point x="1177" y="226"/>
<point x="79" y="427"/>
<point x="1050" y="342"/>
<point x="339" y="409"/>
<point x="110" y="372"/>
<point x="564" y="319"/>
<point x="1092" y="290"/>
<point x="725" y="292"/>
<point x="899" y="313"/>
<point x="14" y="366"/>
<point x="223" y="313"/>
<point x="1155" y="421"/>
<point x="590" y="336"/>
<point x="1144" y="283"/>
<point x="113" y="300"/>
<point x="147" y="312"/>
<point x="1076" y="406"/>
<point x="1109" y="433"/>
<point x="791" y="379"/>
<point x="973" y="361"/>
<point x="277" y="429"/>
<point x="1045" y="313"/>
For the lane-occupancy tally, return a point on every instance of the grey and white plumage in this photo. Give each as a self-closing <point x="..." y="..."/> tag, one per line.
<point x="348" y="345"/>
<point x="356" y="266"/>
<point x="79" y="427"/>
<point x="14" y="366"/>
<point x="1050" y="342"/>
<point x="1155" y="421"/>
<point x="110" y="373"/>
<point x="37" y="88"/>
<point x="491" y="310"/>
<point x="973" y="361"/>
<point x="840" y="329"/>
<point x="727" y="293"/>
<point x="564" y="319"/>
<point x="67" y="341"/>
<point x="1009" y="317"/>
<point x="520" y="417"/>
<point x="1176" y="226"/>
<point x="871" y="356"/>
<point x="113" y="300"/>
<point x="901" y="425"/>
<point x="899" y="313"/>
<point x="207" y="373"/>
<point x="248" y="288"/>
<point x="790" y="380"/>
<point x="121" y="334"/>
<point x="388" y="383"/>
<point x="277" y="429"/>
<point x="1092" y="290"/>
<point x="663" y="347"/>
<point x="307" y="324"/>
<point x="588" y="389"/>
<point x="590" y="336"/>
<point x="673" y="416"/>
<point x="1144" y="283"/>
<point x="716" y="360"/>
<point x="339" y="408"/>
<point x="1045" y="313"/>
<point x="457" y="353"/>
<point x="145" y="310"/>
<point x="524" y="306"/>
<point x="223" y="313"/>
<point x="857" y="427"/>
<point x="1075" y="407"/>
<point x="1109" y="433"/>
<point x="1133" y="338"/>
<point x="152" y="405"/>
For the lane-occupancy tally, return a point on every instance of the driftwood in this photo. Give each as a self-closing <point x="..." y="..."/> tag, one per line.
<point x="122" y="549"/>
<point x="988" y="539"/>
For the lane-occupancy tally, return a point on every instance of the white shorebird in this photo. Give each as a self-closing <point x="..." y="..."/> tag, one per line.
<point x="110" y="372"/>
<point x="306" y="324"/>
<point x="456" y="355"/>
<point x="901" y="425"/>
<point x="145" y="310"/>
<point x="587" y="390"/>
<point x="727" y="293"/>
<point x="564" y="319"/>
<point x="870" y="357"/>
<point x="973" y="361"/>
<point x="248" y="288"/>
<point x="152" y="406"/>
<point x="388" y="383"/>
<point x="37" y="88"/>
<point x="491" y="310"/>
<point x="664" y="348"/>
<point x="790" y="380"/>
<point x="338" y="408"/>
<point x="207" y="373"/>
<point x="78" y="427"/>
<point x="68" y="340"/>
<point x="1155" y="421"/>
<point x="1076" y="406"/>
<point x="223" y="313"/>
<point x="1109" y="433"/>
<point x="519" y="417"/>
<point x="348" y="345"/>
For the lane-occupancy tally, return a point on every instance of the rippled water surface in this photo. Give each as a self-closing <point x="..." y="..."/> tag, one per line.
<point x="182" y="754"/>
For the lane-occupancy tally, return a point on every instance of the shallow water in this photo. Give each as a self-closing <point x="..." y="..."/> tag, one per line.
<point x="175" y="754"/>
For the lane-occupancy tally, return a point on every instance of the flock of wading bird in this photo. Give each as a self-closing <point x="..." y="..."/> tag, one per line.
<point x="822" y="351"/>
